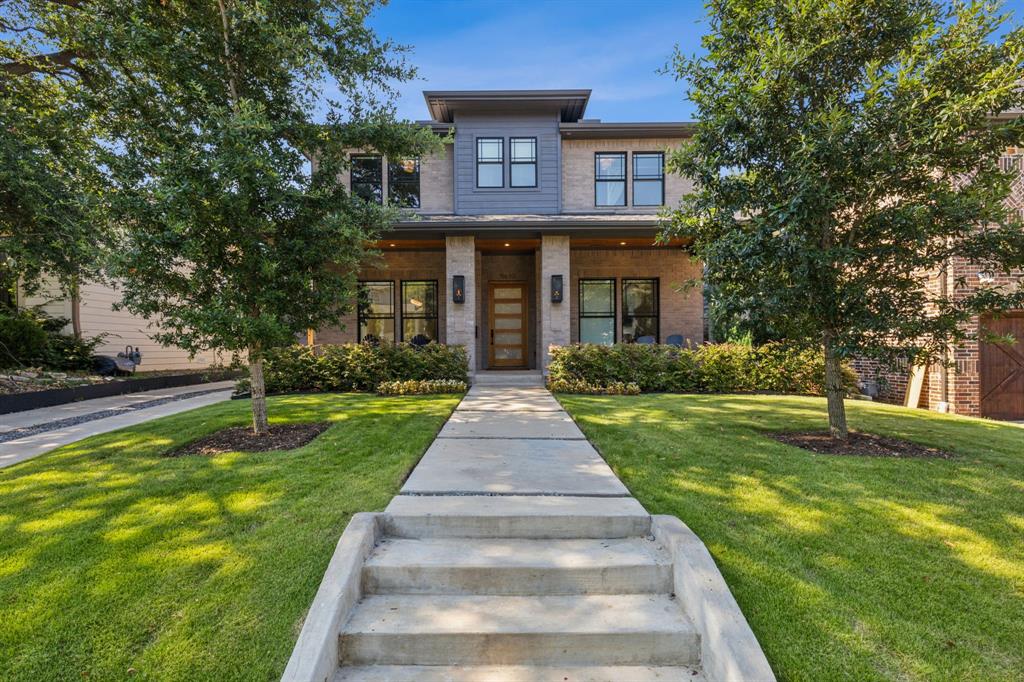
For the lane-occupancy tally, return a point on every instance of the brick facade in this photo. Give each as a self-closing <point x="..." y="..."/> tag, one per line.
<point x="681" y="311"/>
<point x="578" y="174"/>
<point x="397" y="266"/>
<point x="955" y="387"/>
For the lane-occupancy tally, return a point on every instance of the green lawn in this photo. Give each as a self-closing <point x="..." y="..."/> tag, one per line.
<point x="117" y="563"/>
<point x="846" y="567"/>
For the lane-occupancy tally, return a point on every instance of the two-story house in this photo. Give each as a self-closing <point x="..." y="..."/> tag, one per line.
<point x="535" y="227"/>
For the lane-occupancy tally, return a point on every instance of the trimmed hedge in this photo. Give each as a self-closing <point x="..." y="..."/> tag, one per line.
<point x="360" y="367"/>
<point x="711" y="368"/>
<point x="614" y="388"/>
<point x="421" y="387"/>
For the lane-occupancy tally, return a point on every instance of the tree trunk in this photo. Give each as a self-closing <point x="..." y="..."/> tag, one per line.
<point x="259" y="395"/>
<point x="835" y="393"/>
<point x="76" y="309"/>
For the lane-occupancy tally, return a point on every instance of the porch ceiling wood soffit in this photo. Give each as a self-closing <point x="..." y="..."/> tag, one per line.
<point x="529" y="244"/>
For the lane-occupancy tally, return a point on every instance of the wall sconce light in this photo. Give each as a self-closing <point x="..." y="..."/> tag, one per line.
<point x="556" y="288"/>
<point x="458" y="289"/>
<point x="986" y="277"/>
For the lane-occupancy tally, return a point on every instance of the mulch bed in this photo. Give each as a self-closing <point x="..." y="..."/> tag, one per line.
<point x="241" y="439"/>
<point x="859" y="445"/>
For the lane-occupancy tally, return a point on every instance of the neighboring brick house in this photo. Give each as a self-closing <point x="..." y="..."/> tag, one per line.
<point x="981" y="379"/>
<point x="543" y="219"/>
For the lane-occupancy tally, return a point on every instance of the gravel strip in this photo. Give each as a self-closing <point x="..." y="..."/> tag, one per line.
<point x="24" y="431"/>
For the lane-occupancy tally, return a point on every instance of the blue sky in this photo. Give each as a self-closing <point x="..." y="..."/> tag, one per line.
<point x="613" y="47"/>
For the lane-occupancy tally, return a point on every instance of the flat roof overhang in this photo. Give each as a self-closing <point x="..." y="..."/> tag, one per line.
<point x="596" y="130"/>
<point x="500" y="227"/>
<point x="443" y="104"/>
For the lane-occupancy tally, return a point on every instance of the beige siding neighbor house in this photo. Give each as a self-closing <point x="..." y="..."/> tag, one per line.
<point x="120" y="327"/>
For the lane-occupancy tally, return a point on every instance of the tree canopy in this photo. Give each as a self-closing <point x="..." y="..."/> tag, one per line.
<point x="843" y="153"/>
<point x="52" y="185"/>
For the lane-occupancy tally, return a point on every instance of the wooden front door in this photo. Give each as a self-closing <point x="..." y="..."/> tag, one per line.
<point x="1002" y="369"/>
<point x="508" y="321"/>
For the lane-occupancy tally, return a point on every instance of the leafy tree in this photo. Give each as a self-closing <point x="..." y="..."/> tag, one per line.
<point x="51" y="184"/>
<point x="231" y="238"/>
<point x="844" y="151"/>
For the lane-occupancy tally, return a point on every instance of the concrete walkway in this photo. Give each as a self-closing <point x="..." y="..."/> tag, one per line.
<point x="33" y="432"/>
<point x="512" y="441"/>
<point x="513" y="553"/>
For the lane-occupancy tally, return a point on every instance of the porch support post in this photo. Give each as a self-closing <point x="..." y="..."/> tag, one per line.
<point x="460" y="318"/>
<point x="555" y="318"/>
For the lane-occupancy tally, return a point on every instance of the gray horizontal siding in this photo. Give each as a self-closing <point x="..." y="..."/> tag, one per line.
<point x="545" y="198"/>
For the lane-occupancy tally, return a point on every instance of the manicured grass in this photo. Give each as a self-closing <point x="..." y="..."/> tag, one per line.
<point x="847" y="568"/>
<point x="118" y="563"/>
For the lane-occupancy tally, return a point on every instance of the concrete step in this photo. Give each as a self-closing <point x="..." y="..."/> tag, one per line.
<point x="517" y="673"/>
<point x="486" y="630"/>
<point x="508" y="378"/>
<point x="515" y="516"/>
<point x="517" y="567"/>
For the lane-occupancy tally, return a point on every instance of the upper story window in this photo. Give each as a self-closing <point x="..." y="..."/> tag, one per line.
<point x="522" y="162"/>
<point x="490" y="162"/>
<point x="367" y="177"/>
<point x="610" y="178"/>
<point x="648" y="179"/>
<point x="376" y="312"/>
<point x="404" y="183"/>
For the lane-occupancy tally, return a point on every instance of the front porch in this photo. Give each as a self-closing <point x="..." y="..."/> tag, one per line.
<point x="508" y="299"/>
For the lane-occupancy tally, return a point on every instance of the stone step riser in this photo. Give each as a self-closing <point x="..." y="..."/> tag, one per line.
<point x="522" y="580"/>
<point x="534" y="648"/>
<point x="509" y="526"/>
<point x="518" y="674"/>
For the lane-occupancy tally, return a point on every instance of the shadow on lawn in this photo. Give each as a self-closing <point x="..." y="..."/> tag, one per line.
<point x="115" y="557"/>
<point x="846" y="567"/>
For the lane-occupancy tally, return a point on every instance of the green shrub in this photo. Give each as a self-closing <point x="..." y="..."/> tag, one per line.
<point x="360" y="367"/>
<point x="711" y="368"/>
<point x="64" y="351"/>
<point x="612" y="388"/>
<point x="22" y="339"/>
<point x="421" y="387"/>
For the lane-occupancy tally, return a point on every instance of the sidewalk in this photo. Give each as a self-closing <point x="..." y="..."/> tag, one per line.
<point x="24" y="435"/>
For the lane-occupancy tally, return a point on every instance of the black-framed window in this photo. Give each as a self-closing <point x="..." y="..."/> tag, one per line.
<point x="639" y="309"/>
<point x="648" y="178"/>
<point x="597" y="311"/>
<point x="610" y="179"/>
<point x="419" y="310"/>
<point x="490" y="162"/>
<point x="522" y="158"/>
<point x="367" y="177"/>
<point x="376" y="312"/>
<point x="404" y="183"/>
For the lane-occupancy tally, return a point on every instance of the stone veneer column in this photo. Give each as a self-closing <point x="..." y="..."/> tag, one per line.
<point x="460" y="325"/>
<point x="555" y="318"/>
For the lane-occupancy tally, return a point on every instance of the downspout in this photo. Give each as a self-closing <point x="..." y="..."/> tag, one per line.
<point x="943" y="405"/>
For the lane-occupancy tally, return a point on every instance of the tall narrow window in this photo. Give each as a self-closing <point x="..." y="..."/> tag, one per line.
<point x="419" y="311"/>
<point x="367" y="176"/>
<point x="639" y="310"/>
<point x="376" y="312"/>
<point x="522" y="162"/>
<point x="404" y="183"/>
<point x="597" y="311"/>
<point x="610" y="179"/>
<point x="648" y="179"/>
<point x="490" y="162"/>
